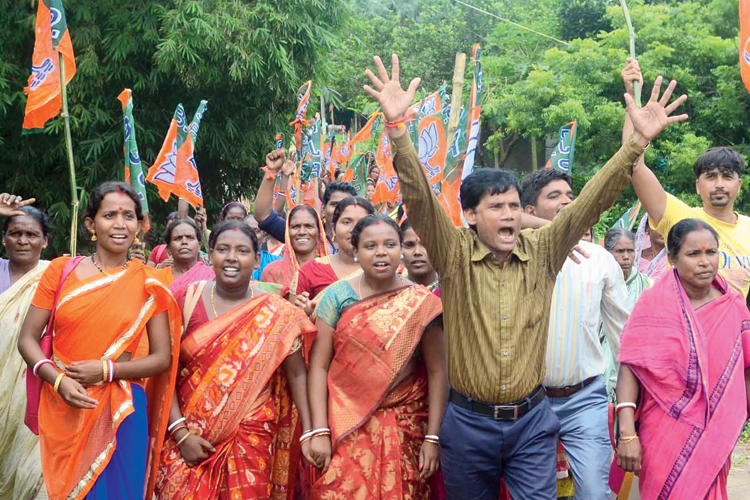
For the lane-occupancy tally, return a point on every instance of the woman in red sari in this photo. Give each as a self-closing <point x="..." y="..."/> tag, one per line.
<point x="241" y="366"/>
<point x="115" y="326"/>
<point x="685" y="359"/>
<point x="378" y="382"/>
<point x="306" y="240"/>
<point x="318" y="274"/>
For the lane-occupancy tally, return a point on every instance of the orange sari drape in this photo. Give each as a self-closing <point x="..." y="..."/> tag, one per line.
<point x="232" y="393"/>
<point x="76" y="445"/>
<point x="377" y="429"/>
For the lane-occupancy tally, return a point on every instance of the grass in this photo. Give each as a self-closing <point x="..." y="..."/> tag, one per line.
<point x="745" y="437"/>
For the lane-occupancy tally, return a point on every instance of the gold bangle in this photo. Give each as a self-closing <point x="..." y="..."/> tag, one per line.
<point x="628" y="439"/>
<point x="182" y="439"/>
<point x="104" y="371"/>
<point x="57" y="382"/>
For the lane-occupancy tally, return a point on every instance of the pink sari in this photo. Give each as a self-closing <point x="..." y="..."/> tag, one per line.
<point x="693" y="405"/>
<point x="199" y="272"/>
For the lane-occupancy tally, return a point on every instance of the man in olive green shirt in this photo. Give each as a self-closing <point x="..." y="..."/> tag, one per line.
<point x="496" y="285"/>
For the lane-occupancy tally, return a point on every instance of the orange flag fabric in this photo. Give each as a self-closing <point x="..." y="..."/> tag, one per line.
<point x="175" y="171"/>
<point x="52" y="39"/>
<point x="745" y="42"/>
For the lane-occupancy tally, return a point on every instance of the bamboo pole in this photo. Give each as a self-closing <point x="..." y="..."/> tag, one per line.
<point x="457" y="90"/>
<point x="71" y="163"/>
<point x="534" y="153"/>
<point x="631" y="34"/>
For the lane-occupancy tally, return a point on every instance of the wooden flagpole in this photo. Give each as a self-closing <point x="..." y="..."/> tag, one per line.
<point x="457" y="91"/>
<point x="71" y="164"/>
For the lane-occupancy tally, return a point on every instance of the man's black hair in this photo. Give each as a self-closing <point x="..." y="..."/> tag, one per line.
<point x="486" y="182"/>
<point x="724" y="158"/>
<point x="344" y="187"/>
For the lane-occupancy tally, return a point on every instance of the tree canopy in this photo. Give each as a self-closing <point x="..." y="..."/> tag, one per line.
<point x="248" y="58"/>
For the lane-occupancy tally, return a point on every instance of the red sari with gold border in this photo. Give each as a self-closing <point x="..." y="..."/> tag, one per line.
<point x="377" y="429"/>
<point x="232" y="393"/>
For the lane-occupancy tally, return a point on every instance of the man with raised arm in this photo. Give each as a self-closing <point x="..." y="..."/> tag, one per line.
<point x="497" y="284"/>
<point x="718" y="179"/>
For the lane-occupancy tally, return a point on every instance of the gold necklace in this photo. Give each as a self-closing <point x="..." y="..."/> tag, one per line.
<point x="213" y="304"/>
<point x="100" y="267"/>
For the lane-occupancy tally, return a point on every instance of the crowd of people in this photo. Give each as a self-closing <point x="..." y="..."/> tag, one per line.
<point x="333" y="352"/>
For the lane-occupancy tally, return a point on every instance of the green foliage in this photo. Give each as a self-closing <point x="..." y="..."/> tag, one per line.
<point x="246" y="57"/>
<point x="687" y="41"/>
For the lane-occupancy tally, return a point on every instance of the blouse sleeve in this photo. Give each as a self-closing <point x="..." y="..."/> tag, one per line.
<point x="334" y="300"/>
<point x="44" y="297"/>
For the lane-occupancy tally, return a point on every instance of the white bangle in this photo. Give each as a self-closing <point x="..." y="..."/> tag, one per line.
<point x="305" y="436"/>
<point x="625" y="405"/>
<point x="175" y="424"/>
<point x="111" y="370"/>
<point x="39" y="365"/>
<point x="432" y="436"/>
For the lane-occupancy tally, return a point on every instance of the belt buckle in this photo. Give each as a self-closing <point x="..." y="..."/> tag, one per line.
<point x="499" y="408"/>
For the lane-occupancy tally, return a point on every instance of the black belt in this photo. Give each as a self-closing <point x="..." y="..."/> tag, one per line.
<point x="509" y="411"/>
<point x="564" y="392"/>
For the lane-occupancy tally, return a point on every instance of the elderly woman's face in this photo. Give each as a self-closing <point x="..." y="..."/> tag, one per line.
<point x="624" y="254"/>
<point x="698" y="260"/>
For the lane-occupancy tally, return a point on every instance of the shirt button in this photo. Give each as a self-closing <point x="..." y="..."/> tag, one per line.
<point x="502" y="388"/>
<point x="505" y="316"/>
<point x="505" y="353"/>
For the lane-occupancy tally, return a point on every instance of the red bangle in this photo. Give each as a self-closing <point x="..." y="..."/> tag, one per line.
<point x="399" y="123"/>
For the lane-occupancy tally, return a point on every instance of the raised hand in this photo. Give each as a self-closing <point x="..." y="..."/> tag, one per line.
<point x="631" y="73"/>
<point x="394" y="101"/>
<point x="651" y="119"/>
<point x="10" y="204"/>
<point x="275" y="160"/>
<point x="288" y="168"/>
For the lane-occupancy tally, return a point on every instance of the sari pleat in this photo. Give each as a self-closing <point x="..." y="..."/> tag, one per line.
<point x="377" y="429"/>
<point x="20" y="464"/>
<point x="232" y="393"/>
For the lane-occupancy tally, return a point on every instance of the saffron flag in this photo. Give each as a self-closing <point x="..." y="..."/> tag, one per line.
<point x="627" y="221"/>
<point x="133" y="173"/>
<point x="387" y="187"/>
<point x="745" y="42"/>
<point x="52" y="40"/>
<point x="562" y="156"/>
<point x="175" y="171"/>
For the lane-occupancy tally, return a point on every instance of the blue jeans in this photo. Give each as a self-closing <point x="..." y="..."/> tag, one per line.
<point x="476" y="451"/>
<point x="584" y="434"/>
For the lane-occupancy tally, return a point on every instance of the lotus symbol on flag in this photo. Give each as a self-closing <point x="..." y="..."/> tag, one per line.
<point x="428" y="144"/>
<point x="429" y="106"/>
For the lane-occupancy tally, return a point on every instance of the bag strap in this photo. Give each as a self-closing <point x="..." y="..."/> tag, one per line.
<point x="192" y="297"/>
<point x="67" y="270"/>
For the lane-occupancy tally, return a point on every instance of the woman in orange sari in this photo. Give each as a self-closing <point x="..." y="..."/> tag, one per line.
<point x="241" y="366"/>
<point x="97" y="435"/>
<point x="306" y="240"/>
<point x="378" y="382"/>
<point x="317" y="274"/>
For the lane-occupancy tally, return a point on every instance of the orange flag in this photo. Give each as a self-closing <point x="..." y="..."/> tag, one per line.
<point x="175" y="171"/>
<point x="745" y="42"/>
<point x="52" y="38"/>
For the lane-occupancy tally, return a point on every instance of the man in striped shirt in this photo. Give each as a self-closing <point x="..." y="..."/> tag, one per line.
<point x="496" y="284"/>
<point x="586" y="296"/>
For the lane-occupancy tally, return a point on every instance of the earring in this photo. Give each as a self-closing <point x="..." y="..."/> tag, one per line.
<point x="356" y="259"/>
<point x="93" y="236"/>
<point x="402" y="256"/>
<point x="136" y="240"/>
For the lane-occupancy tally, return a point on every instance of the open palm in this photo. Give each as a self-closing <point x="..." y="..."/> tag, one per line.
<point x="394" y="101"/>
<point x="654" y="117"/>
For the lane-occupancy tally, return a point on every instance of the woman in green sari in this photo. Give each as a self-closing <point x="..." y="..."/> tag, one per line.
<point x="25" y="235"/>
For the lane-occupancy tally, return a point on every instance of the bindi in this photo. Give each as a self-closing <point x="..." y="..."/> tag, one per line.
<point x="703" y="248"/>
<point x="235" y="229"/>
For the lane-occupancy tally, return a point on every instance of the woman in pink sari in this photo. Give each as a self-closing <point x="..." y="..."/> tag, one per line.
<point x="684" y="357"/>
<point x="184" y="239"/>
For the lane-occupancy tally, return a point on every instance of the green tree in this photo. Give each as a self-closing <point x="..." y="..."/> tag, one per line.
<point x="246" y="57"/>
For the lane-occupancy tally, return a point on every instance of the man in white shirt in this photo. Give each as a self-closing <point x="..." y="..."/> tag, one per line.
<point x="586" y="295"/>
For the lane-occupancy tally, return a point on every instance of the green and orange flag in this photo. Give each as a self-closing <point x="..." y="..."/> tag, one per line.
<point x="745" y="42"/>
<point x="562" y="156"/>
<point x="175" y="171"/>
<point x="52" y="40"/>
<point x="133" y="169"/>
